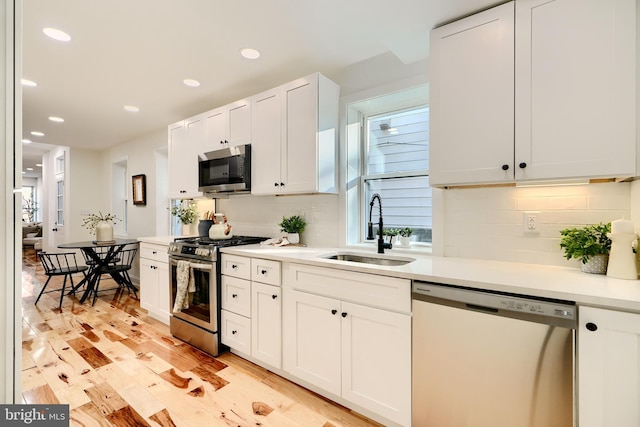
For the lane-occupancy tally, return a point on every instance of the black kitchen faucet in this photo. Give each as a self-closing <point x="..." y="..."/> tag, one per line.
<point x="381" y="244"/>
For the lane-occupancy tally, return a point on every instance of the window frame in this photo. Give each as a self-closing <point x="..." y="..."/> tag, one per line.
<point x="364" y="176"/>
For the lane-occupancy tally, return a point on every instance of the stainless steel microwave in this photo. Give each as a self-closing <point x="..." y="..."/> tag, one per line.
<point x="226" y="170"/>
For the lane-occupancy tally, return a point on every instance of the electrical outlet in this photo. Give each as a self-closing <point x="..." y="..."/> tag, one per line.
<point x="531" y="224"/>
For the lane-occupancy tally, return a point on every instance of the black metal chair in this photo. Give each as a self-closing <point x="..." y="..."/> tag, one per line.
<point x="118" y="269"/>
<point x="60" y="264"/>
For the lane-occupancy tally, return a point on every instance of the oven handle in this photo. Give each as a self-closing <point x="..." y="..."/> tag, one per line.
<point x="196" y="265"/>
<point x="201" y="266"/>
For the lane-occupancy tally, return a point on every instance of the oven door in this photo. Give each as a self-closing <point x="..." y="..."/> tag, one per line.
<point x="203" y="307"/>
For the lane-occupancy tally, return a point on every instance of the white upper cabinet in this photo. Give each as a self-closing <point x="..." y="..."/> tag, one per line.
<point x="228" y="126"/>
<point x="471" y="99"/>
<point x="295" y="128"/>
<point x="185" y="141"/>
<point x="573" y="91"/>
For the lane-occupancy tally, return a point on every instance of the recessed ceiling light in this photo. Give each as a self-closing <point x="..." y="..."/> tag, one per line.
<point x="29" y="169"/>
<point x="26" y="141"/>
<point x="56" y="119"/>
<point x="56" y="34"/>
<point x="131" y="108"/>
<point x="249" y="53"/>
<point x="191" y="82"/>
<point x="36" y="133"/>
<point x="39" y="165"/>
<point x="26" y="82"/>
<point x="23" y="172"/>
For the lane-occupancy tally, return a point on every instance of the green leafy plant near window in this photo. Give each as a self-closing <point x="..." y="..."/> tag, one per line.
<point x="405" y="232"/>
<point x="186" y="213"/>
<point x="92" y="220"/>
<point x="292" y="224"/>
<point x="584" y="243"/>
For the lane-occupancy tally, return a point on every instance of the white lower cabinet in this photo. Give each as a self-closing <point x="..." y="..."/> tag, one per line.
<point x="266" y="323"/>
<point x="154" y="281"/>
<point x="345" y="347"/>
<point x="251" y="309"/>
<point x="608" y="368"/>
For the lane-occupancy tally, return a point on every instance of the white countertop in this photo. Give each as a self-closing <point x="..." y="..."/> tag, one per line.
<point x="158" y="240"/>
<point x="526" y="279"/>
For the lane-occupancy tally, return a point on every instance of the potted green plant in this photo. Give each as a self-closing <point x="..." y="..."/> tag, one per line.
<point x="589" y="244"/>
<point x="187" y="215"/>
<point x="101" y="225"/>
<point x="405" y="235"/>
<point x="293" y="226"/>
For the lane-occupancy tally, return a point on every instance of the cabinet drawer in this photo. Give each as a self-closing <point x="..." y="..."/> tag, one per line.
<point x="236" y="266"/>
<point x="390" y="293"/>
<point x="154" y="252"/>
<point x="236" y="295"/>
<point x="265" y="271"/>
<point x="236" y="331"/>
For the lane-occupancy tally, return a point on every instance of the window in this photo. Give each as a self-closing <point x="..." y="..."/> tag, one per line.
<point x="29" y="203"/>
<point x="388" y="154"/>
<point x="60" y="202"/>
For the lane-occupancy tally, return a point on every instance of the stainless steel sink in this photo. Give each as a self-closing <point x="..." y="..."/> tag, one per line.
<point x="377" y="259"/>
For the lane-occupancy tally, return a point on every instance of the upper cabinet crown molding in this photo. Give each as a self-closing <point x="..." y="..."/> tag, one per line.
<point x="568" y="67"/>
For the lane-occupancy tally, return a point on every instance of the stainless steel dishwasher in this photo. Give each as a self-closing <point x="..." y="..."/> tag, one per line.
<point x="488" y="359"/>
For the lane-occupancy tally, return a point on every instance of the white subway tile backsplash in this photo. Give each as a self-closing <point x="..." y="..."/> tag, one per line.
<point x="487" y="223"/>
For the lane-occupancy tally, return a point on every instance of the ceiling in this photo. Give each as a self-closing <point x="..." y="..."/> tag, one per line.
<point x="125" y="52"/>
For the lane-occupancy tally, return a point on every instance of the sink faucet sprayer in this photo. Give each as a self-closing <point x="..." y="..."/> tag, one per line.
<point x="381" y="245"/>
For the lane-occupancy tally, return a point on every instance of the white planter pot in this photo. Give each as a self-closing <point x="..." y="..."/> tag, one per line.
<point x="187" y="230"/>
<point x="104" y="232"/>
<point x="293" y="238"/>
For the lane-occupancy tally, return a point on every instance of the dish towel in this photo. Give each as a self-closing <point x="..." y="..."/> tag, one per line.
<point x="186" y="283"/>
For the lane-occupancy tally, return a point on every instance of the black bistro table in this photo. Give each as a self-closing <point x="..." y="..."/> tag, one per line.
<point x="100" y="261"/>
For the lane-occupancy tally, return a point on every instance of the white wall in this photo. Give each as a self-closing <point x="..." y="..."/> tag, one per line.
<point x="140" y="157"/>
<point x="487" y="223"/>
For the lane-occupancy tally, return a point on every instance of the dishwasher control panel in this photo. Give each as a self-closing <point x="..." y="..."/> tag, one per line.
<point x="528" y="308"/>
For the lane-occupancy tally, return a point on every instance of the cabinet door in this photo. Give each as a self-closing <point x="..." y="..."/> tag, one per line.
<point x="471" y="91"/>
<point x="177" y="159"/>
<point x="368" y="379"/>
<point x="575" y="88"/>
<point x="235" y="331"/>
<point x="148" y="284"/>
<point x="236" y="295"/>
<point x="608" y="368"/>
<point x="239" y="123"/>
<point x="311" y="339"/>
<point x="300" y="150"/>
<point x="266" y="112"/>
<point x="266" y="324"/>
<point x="164" y="303"/>
<point x="216" y="130"/>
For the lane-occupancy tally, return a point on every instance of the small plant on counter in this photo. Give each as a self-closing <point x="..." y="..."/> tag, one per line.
<point x="405" y="232"/>
<point x="186" y="212"/>
<point x="91" y="221"/>
<point x="584" y="243"/>
<point x="292" y="224"/>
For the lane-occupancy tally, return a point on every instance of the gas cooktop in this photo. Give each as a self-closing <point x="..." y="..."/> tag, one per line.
<point x="204" y="248"/>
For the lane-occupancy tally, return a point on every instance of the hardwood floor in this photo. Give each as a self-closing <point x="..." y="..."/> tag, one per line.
<point x="115" y="366"/>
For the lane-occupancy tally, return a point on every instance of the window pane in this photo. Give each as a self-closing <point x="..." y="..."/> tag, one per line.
<point x="406" y="202"/>
<point x="398" y="142"/>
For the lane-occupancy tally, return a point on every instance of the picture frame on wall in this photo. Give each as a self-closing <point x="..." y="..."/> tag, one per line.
<point x="139" y="189"/>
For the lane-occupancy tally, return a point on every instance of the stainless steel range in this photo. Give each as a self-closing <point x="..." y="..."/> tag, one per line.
<point x="194" y="277"/>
